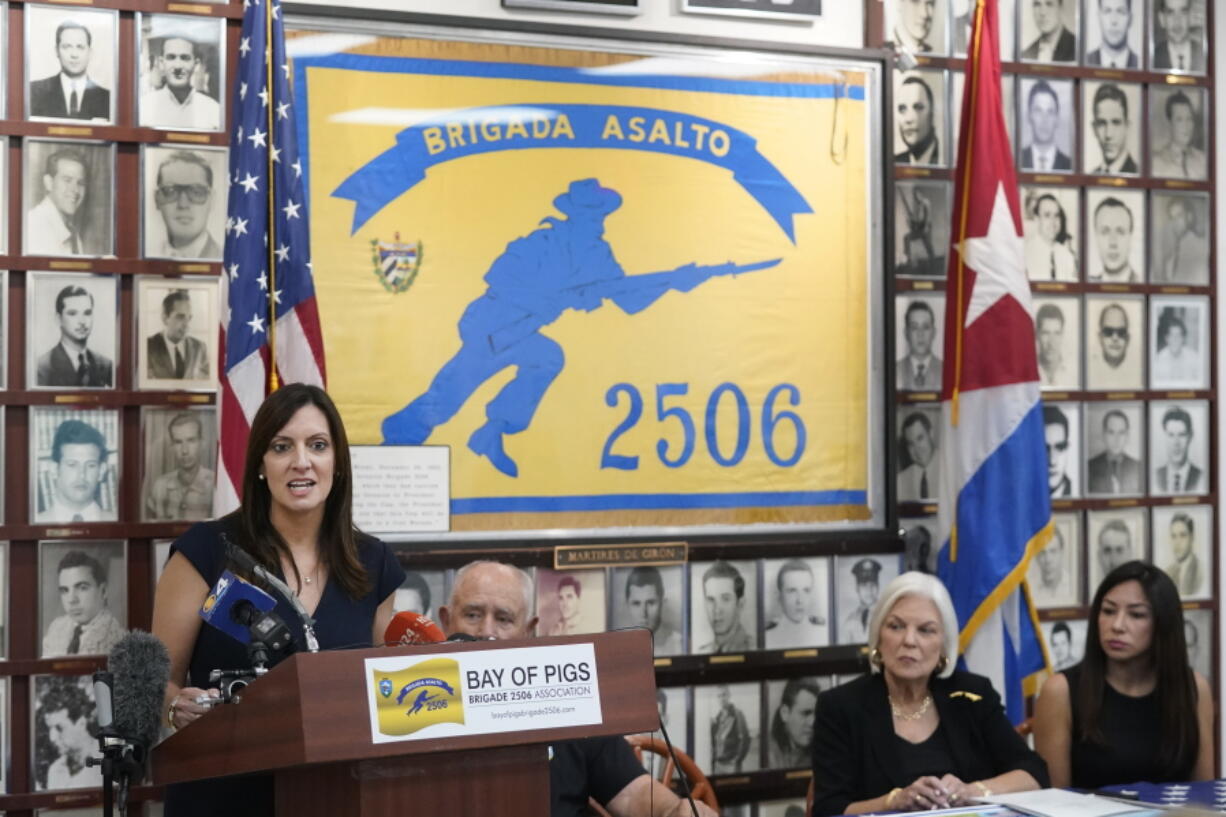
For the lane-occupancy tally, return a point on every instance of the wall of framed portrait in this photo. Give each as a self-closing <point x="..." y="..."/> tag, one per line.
<point x="116" y="157"/>
<point x="114" y="128"/>
<point x="1111" y="112"/>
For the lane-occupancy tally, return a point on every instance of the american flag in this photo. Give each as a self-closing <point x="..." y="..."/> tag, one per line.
<point x="263" y="136"/>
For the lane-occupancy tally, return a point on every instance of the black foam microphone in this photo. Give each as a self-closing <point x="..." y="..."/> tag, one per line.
<point x="140" y="667"/>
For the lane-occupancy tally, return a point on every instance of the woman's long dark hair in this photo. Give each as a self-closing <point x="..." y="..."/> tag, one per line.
<point x="338" y="538"/>
<point x="1168" y="656"/>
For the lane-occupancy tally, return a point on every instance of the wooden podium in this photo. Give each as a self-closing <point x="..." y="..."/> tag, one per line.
<point x="308" y="722"/>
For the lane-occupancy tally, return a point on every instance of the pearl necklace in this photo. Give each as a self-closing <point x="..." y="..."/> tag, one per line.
<point x="911" y="716"/>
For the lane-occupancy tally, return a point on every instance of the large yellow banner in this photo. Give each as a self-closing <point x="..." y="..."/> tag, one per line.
<point x="621" y="297"/>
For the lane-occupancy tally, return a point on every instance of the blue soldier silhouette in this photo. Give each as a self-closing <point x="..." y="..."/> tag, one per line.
<point x="421" y="700"/>
<point x="564" y="264"/>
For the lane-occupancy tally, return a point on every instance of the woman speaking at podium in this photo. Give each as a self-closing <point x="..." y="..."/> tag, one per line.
<point x="915" y="734"/>
<point x="296" y="520"/>
<point x="1133" y="710"/>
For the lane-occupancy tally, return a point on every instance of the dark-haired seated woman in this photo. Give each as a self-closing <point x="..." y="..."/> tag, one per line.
<point x="915" y="734"/>
<point x="1133" y="710"/>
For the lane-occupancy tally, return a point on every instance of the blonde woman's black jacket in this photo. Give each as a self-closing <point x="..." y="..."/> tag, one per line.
<point x="855" y="756"/>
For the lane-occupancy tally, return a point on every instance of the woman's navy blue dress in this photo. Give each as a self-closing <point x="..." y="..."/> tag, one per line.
<point x="340" y="622"/>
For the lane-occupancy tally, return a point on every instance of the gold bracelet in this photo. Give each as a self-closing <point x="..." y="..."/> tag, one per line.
<point x="170" y="714"/>
<point x="984" y="791"/>
<point x="889" y="798"/>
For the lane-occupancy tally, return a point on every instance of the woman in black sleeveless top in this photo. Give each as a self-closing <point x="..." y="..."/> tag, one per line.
<point x="1132" y="710"/>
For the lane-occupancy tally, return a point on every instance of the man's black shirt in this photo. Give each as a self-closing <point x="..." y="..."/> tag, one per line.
<point x="590" y="767"/>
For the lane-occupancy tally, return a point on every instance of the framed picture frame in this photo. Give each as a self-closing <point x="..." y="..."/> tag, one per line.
<point x="1179" y="133"/>
<point x="1115" y="448"/>
<point x="1062" y="431"/>
<point x="1113" y="537"/>
<point x="1047" y="118"/>
<point x="69" y="198"/>
<point x="1066" y="642"/>
<point x="723" y="606"/>
<point x="83" y="596"/>
<point x="919" y="444"/>
<point x="1055" y="571"/>
<point x="1178" y="36"/>
<point x="74" y="465"/>
<point x="920" y="118"/>
<point x="922" y="215"/>
<point x="790" y="707"/>
<point x="71" y="64"/>
<point x="71" y="330"/>
<point x="1047" y="34"/>
<point x="1179" y="238"/>
<point x="796" y="603"/>
<point x="728" y="727"/>
<point x="1111" y="128"/>
<point x="918" y="27"/>
<point x="570" y="602"/>
<point x="1183" y="539"/>
<point x="1113" y="35"/>
<point x="1115" y="356"/>
<point x="1179" y="350"/>
<point x="183" y="199"/>
<point x="179" y="463"/>
<point x="858" y="581"/>
<point x="1179" y="447"/>
<point x="181" y="72"/>
<point x="1058" y="337"/>
<point x="59" y="764"/>
<point x="176" y="341"/>
<point x="651" y="597"/>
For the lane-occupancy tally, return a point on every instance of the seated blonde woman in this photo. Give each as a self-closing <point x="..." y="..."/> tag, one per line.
<point x="915" y="734"/>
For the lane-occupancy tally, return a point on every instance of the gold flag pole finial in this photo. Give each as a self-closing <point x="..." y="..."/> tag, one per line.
<point x="270" y="87"/>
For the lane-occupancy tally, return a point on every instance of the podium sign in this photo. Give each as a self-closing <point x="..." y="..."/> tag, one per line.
<point x="412" y="697"/>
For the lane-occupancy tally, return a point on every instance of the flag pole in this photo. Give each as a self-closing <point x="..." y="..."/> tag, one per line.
<point x="270" y="90"/>
<point x="969" y="135"/>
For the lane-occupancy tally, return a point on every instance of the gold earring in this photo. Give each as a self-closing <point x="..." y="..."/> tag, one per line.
<point x="874" y="657"/>
<point x="943" y="663"/>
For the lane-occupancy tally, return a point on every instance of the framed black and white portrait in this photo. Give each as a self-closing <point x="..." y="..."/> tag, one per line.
<point x="181" y="72"/>
<point x="919" y="118"/>
<point x="1048" y="125"/>
<point x="1114" y="349"/>
<point x="918" y="26"/>
<point x="71" y="336"/>
<point x="1183" y="536"/>
<point x="570" y="602"/>
<point x="765" y="9"/>
<point x="1047" y="30"/>
<point x="790" y="707"/>
<point x="1057" y="331"/>
<point x="161" y="555"/>
<point x="421" y="592"/>
<point x="1179" y="447"/>
<point x="68" y="198"/>
<point x="64" y="731"/>
<point x="1113" y="34"/>
<point x="723" y="606"/>
<point x="728" y="727"/>
<point x="1179" y="238"/>
<point x="796" y="602"/>
<point x="1114" y="537"/>
<point x="1110" y="128"/>
<point x="1007" y="96"/>
<point x="176" y="333"/>
<point x="651" y="597"/>
<point x="1178" y="36"/>
<point x="1178" y="138"/>
<point x="1115" y="449"/>
<point x="1062" y="433"/>
<point x="1066" y="642"/>
<point x="71" y="63"/>
<point x="920" y="537"/>
<point x="179" y="460"/>
<point x="1055" y="571"/>
<point x="673" y="705"/>
<point x="82" y="596"/>
<point x="964" y="19"/>
<point x="921" y="222"/>
<point x="1051" y="220"/>
<point x="1198" y="635"/>
<point x="1179" y="342"/>
<point x="184" y="202"/>
<point x="918" y="338"/>
<point x="919" y="440"/>
<point x="74" y="465"/>
<point x="858" y="581"/>
<point x="1116" y="236"/>
<point x="622" y="7"/>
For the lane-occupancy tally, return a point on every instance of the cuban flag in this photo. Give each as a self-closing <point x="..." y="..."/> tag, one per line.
<point x="995" y="509"/>
<point x="270" y="330"/>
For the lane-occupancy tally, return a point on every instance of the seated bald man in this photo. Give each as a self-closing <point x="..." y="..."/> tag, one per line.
<point x="492" y="600"/>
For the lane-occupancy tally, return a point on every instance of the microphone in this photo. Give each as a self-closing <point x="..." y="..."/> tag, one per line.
<point x="233" y="604"/>
<point x="247" y="562"/>
<point x="407" y="627"/>
<point x="128" y="697"/>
